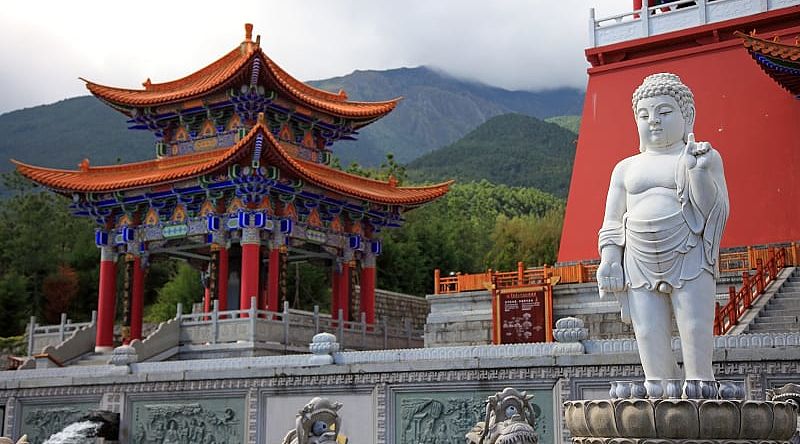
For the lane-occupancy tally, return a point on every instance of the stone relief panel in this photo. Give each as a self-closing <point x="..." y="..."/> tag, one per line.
<point x="207" y="421"/>
<point x="39" y="422"/>
<point x="446" y="417"/>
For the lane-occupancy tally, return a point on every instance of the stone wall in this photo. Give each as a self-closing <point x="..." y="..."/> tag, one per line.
<point x="466" y="318"/>
<point x="391" y="396"/>
<point x="396" y="307"/>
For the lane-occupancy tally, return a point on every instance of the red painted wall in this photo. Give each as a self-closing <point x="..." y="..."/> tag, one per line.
<point x="749" y="118"/>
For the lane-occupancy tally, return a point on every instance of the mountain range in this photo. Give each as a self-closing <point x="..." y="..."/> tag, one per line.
<point x="437" y="110"/>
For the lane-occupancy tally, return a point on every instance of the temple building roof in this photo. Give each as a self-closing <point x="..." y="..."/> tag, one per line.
<point x="779" y="60"/>
<point x="169" y="170"/>
<point x="246" y="63"/>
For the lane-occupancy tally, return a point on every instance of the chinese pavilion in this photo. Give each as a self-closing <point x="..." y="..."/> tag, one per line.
<point x="241" y="185"/>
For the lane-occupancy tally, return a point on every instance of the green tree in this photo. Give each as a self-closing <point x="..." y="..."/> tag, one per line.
<point x="15" y="310"/>
<point x="185" y="287"/>
<point x="531" y="239"/>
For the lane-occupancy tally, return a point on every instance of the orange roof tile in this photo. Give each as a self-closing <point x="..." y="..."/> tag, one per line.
<point x="352" y="185"/>
<point x="172" y="169"/>
<point x="223" y="71"/>
<point x="135" y="175"/>
<point x="770" y="47"/>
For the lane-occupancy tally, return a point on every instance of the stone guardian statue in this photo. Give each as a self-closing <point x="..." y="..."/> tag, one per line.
<point x="659" y="243"/>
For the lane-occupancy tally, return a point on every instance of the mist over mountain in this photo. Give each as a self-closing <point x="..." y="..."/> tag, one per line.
<point x="437" y="110"/>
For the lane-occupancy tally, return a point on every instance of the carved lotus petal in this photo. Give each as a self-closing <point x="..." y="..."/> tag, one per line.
<point x="784" y="421"/>
<point x="635" y="418"/>
<point x="600" y="418"/>
<point x="575" y="417"/>
<point x="756" y="420"/>
<point x="677" y="419"/>
<point x="719" y="419"/>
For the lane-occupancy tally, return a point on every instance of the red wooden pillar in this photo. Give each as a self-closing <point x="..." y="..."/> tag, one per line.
<point x="340" y="285"/>
<point x="106" y="300"/>
<point x="367" y="301"/>
<point x="251" y="244"/>
<point x="222" y="278"/>
<point x="137" y="299"/>
<point x="274" y="279"/>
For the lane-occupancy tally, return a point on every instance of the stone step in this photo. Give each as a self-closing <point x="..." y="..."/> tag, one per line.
<point x="789" y="293"/>
<point x="777" y="318"/>
<point x="774" y="327"/>
<point x="779" y="312"/>
<point x="784" y="304"/>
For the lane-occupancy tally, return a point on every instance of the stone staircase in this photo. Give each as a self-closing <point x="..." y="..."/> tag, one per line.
<point x="782" y="312"/>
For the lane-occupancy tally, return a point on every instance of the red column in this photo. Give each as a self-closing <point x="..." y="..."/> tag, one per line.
<point x="250" y="266"/>
<point x="106" y="300"/>
<point x="137" y="299"/>
<point x="367" y="301"/>
<point x="343" y="291"/>
<point x="222" y="279"/>
<point x="274" y="279"/>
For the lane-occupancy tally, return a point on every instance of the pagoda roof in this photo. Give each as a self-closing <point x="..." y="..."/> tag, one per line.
<point x="223" y="72"/>
<point x="167" y="170"/>
<point x="779" y="60"/>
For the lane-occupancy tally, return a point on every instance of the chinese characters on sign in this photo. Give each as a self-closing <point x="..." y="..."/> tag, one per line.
<point x="522" y="315"/>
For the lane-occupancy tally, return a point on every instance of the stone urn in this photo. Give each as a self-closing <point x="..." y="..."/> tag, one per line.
<point x="663" y="421"/>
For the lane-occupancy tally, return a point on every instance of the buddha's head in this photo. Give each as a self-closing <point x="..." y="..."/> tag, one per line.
<point x="663" y="108"/>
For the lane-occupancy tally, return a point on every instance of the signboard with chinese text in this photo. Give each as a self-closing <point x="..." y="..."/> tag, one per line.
<point x="522" y="315"/>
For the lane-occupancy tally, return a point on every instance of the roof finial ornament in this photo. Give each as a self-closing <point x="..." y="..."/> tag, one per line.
<point x="262" y="120"/>
<point x="147" y="83"/>
<point x="248" y="32"/>
<point x="392" y="181"/>
<point x="84" y="165"/>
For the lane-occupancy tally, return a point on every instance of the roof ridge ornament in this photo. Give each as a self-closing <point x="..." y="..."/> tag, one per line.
<point x="248" y="32"/>
<point x="84" y="165"/>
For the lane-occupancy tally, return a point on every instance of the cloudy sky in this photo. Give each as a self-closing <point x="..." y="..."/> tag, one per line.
<point x="515" y="44"/>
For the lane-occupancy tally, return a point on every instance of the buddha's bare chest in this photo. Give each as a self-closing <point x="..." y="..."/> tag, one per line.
<point x="650" y="171"/>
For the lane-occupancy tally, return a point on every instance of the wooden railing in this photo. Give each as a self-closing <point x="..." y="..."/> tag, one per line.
<point x="730" y="262"/>
<point x="753" y="286"/>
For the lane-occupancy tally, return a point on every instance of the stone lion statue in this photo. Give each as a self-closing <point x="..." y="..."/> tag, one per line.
<point x="510" y="419"/>
<point x="317" y="423"/>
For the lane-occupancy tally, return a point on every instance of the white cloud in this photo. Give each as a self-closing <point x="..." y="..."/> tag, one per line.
<point x="515" y="44"/>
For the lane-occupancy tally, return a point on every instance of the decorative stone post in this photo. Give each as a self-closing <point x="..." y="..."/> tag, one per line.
<point x="251" y="243"/>
<point x="322" y="347"/>
<point x="341" y="290"/>
<point x="222" y="275"/>
<point x="274" y="277"/>
<point x="137" y="298"/>
<point x="107" y="300"/>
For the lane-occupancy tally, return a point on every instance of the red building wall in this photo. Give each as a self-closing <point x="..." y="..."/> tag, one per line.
<point x="749" y="118"/>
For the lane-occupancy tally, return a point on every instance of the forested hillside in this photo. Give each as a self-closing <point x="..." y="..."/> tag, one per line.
<point x="510" y="149"/>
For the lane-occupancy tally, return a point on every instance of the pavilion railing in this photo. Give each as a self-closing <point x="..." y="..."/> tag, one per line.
<point x="672" y="16"/>
<point x="41" y="336"/>
<point x="292" y="329"/>
<point x="734" y="261"/>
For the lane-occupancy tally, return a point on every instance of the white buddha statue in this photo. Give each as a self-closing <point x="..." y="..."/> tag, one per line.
<point x="659" y="243"/>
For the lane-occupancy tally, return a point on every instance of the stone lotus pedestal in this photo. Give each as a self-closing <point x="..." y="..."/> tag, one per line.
<point x="664" y="421"/>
